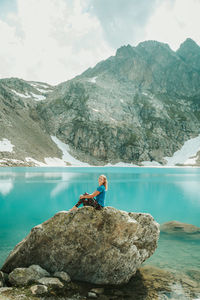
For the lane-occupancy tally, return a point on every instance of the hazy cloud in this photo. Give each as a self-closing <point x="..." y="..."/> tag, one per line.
<point x="174" y="21"/>
<point x="50" y="40"/>
<point x="123" y="21"/>
<point x="55" y="40"/>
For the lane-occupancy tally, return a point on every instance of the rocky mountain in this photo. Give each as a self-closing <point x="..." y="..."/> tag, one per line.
<point x="20" y="124"/>
<point x="140" y="105"/>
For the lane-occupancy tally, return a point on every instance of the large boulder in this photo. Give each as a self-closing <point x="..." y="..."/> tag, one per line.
<point x="102" y="247"/>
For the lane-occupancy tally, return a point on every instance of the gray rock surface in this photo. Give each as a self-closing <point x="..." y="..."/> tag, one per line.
<point x="63" y="276"/>
<point x="24" y="276"/>
<point x="18" y="107"/>
<point x="51" y="282"/>
<point x="104" y="247"/>
<point x="2" y="279"/>
<point x="39" y="289"/>
<point x="144" y="101"/>
<point x="92" y="295"/>
<point x="97" y="291"/>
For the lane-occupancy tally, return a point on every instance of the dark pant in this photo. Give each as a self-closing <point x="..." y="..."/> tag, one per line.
<point x="89" y="202"/>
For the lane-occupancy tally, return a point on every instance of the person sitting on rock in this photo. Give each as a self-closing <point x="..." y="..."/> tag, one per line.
<point x="100" y="193"/>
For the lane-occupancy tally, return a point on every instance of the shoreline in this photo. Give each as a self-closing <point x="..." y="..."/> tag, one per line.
<point x="112" y="166"/>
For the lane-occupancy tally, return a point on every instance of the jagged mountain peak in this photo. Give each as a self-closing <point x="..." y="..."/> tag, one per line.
<point x="149" y="46"/>
<point x="189" y="44"/>
<point x="154" y="48"/>
<point x="189" y="52"/>
<point x="153" y="44"/>
<point x="124" y="51"/>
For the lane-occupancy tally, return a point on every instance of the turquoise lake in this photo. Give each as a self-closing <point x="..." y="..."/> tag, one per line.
<point x="29" y="196"/>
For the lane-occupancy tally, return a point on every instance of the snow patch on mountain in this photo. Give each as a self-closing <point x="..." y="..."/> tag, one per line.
<point x="191" y="161"/>
<point x="46" y="86"/>
<point x="35" y="96"/>
<point x="121" y="164"/>
<point x="54" y="162"/>
<point x="49" y="162"/>
<point x="187" y="154"/>
<point x="43" y="91"/>
<point x="93" y="79"/>
<point x="66" y="156"/>
<point x="21" y="95"/>
<point x="96" y="110"/>
<point x="150" y="163"/>
<point x="6" y="146"/>
<point x="38" y="97"/>
<point x="36" y="162"/>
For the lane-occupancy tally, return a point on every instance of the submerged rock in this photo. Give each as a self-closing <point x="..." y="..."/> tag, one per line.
<point x="180" y="229"/>
<point x="103" y="247"/>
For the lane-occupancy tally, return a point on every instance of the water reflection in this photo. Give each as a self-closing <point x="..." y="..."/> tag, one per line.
<point x="6" y="185"/>
<point x="191" y="189"/>
<point x="66" y="180"/>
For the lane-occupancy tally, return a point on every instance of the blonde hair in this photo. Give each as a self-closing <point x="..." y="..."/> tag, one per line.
<point x="105" y="181"/>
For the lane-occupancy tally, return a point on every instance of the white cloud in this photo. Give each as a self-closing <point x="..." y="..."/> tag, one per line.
<point x="175" y="21"/>
<point x="55" y="40"/>
<point x="50" y="40"/>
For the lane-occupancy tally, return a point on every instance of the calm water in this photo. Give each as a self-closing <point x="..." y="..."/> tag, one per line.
<point x="29" y="196"/>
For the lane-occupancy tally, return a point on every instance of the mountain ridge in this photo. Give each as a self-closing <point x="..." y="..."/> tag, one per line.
<point x="140" y="105"/>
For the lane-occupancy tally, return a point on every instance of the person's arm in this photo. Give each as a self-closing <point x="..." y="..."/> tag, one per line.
<point x="94" y="194"/>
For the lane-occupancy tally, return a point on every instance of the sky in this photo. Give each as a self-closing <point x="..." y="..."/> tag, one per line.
<point x="54" y="40"/>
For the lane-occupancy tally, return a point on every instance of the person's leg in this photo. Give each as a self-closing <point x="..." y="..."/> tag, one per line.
<point x="95" y="204"/>
<point x="83" y="200"/>
<point x="87" y="202"/>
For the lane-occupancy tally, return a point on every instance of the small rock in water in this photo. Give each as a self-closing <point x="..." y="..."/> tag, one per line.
<point x="51" y="282"/>
<point x="181" y="229"/>
<point x="39" y="289"/>
<point x="63" y="276"/>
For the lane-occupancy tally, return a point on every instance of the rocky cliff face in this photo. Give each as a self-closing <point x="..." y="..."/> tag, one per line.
<point x="140" y="105"/>
<point x="20" y="123"/>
